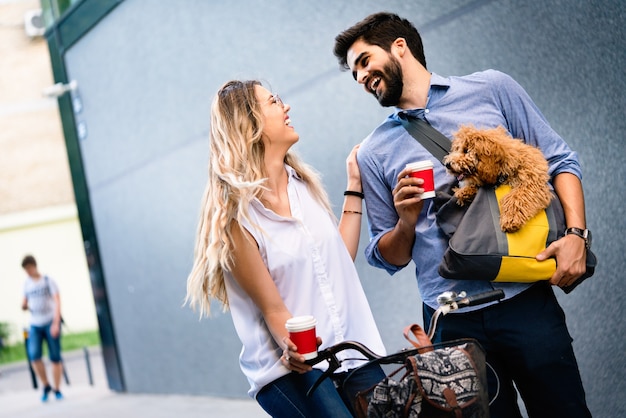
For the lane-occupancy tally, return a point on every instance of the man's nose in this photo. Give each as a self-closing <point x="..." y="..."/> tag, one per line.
<point x="361" y="76"/>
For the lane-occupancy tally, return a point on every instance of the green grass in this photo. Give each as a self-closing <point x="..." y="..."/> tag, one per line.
<point x="69" y="342"/>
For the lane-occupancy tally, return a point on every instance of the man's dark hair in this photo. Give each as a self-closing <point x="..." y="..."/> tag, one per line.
<point x="380" y="29"/>
<point x="29" y="260"/>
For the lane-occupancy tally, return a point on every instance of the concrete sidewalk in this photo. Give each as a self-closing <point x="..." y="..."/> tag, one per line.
<point x="19" y="399"/>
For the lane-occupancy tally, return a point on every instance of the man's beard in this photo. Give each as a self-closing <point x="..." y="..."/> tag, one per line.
<point x="392" y="76"/>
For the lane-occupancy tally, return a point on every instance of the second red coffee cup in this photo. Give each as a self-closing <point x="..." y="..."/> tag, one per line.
<point x="424" y="171"/>
<point x="302" y="334"/>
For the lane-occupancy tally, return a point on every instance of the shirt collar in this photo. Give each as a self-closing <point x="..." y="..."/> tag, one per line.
<point x="436" y="82"/>
<point x="291" y="172"/>
<point x="439" y="81"/>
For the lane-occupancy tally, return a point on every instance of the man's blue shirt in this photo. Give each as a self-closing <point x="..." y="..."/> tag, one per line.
<point x="486" y="100"/>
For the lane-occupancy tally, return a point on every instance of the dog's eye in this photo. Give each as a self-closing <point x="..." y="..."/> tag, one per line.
<point x="465" y="150"/>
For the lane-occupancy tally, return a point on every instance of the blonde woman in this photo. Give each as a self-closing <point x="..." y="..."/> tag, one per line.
<point x="269" y="248"/>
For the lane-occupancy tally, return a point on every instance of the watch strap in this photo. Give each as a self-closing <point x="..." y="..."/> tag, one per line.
<point x="583" y="233"/>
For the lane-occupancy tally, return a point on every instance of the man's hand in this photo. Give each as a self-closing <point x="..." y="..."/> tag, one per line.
<point x="570" y="255"/>
<point x="406" y="198"/>
<point x="397" y="245"/>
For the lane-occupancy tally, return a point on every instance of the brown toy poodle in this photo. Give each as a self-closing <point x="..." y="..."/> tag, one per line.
<point x="491" y="157"/>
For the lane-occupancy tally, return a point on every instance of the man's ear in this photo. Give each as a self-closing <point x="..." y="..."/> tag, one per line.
<point x="400" y="46"/>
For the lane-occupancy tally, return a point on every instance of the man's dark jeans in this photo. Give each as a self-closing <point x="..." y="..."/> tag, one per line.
<point x="527" y="343"/>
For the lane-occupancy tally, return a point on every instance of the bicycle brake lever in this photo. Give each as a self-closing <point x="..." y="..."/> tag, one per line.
<point x="330" y="354"/>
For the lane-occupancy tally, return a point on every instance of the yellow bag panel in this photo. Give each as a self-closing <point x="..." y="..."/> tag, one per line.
<point x="530" y="239"/>
<point x="524" y="245"/>
<point x="516" y="269"/>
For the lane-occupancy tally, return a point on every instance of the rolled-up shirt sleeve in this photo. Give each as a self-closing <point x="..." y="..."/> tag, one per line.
<point x="525" y="121"/>
<point x="378" y="183"/>
<point x="375" y="258"/>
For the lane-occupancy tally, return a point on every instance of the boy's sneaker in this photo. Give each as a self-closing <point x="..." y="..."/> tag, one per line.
<point x="58" y="395"/>
<point x="46" y="392"/>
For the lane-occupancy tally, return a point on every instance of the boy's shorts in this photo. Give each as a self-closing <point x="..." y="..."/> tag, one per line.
<point x="35" y="342"/>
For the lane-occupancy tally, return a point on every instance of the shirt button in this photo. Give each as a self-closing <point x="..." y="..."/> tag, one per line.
<point x="426" y="111"/>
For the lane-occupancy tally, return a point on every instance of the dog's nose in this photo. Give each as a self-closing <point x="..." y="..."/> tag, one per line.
<point x="448" y="165"/>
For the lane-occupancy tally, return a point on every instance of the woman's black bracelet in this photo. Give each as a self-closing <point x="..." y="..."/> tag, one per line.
<point x="353" y="193"/>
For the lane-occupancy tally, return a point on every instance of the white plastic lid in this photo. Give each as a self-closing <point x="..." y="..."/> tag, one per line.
<point x="420" y="165"/>
<point x="300" y="323"/>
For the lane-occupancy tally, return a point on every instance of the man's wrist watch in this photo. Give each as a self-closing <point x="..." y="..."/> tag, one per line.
<point x="583" y="233"/>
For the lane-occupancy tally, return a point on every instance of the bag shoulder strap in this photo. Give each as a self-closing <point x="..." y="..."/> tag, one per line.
<point x="45" y="279"/>
<point x="50" y="293"/>
<point x="434" y="141"/>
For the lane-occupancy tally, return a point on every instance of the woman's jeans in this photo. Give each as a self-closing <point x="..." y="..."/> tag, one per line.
<point x="286" y="396"/>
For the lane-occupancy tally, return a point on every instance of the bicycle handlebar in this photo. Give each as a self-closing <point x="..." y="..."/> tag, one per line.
<point x="330" y="354"/>
<point x="481" y="298"/>
<point x="450" y="301"/>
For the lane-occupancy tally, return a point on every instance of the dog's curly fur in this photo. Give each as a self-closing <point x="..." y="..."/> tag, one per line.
<point x="482" y="157"/>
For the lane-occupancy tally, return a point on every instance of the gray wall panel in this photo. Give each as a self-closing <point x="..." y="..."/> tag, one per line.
<point x="147" y="74"/>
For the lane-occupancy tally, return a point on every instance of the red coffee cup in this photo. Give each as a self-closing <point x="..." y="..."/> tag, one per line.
<point x="302" y="334"/>
<point x="424" y="171"/>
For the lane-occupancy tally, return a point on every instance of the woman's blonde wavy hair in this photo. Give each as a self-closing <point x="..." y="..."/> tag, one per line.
<point x="236" y="176"/>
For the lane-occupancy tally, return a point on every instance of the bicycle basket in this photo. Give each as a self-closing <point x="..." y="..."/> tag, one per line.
<point x="442" y="380"/>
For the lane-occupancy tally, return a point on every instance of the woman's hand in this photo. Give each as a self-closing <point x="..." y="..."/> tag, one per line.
<point x="352" y="168"/>
<point x="350" y="222"/>
<point x="294" y="361"/>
